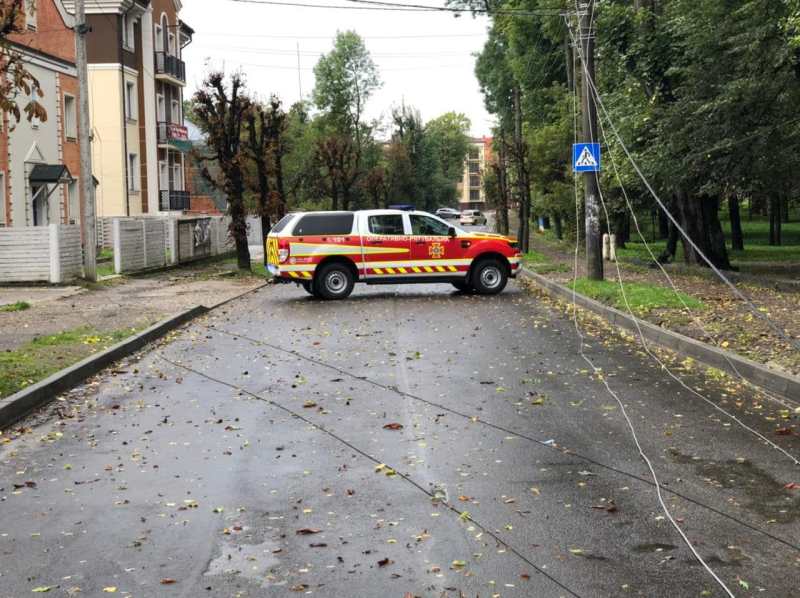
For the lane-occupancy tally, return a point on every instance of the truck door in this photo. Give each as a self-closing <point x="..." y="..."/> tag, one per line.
<point x="385" y="246"/>
<point x="433" y="251"/>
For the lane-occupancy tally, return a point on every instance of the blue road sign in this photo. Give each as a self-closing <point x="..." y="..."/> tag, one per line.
<point x="586" y="157"/>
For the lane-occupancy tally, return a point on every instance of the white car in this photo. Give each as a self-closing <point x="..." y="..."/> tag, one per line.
<point x="448" y="213"/>
<point x="473" y="217"/>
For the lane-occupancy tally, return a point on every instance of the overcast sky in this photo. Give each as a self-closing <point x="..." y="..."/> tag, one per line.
<point x="433" y="70"/>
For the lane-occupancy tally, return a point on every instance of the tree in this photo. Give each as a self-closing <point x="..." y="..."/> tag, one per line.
<point x="15" y="79"/>
<point x="268" y="145"/>
<point x="346" y="78"/>
<point x="449" y="133"/>
<point x="337" y="170"/>
<point x="376" y="186"/>
<point x="221" y="111"/>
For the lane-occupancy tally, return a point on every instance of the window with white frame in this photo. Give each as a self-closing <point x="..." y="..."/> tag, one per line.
<point x="159" y="33"/>
<point x="163" y="175"/>
<point x="133" y="172"/>
<point x="131" y="101"/>
<point x="161" y="108"/>
<point x="176" y="112"/>
<point x="31" y="11"/>
<point x="171" y="42"/>
<point x="70" y="117"/>
<point x="2" y="199"/>
<point x="74" y="202"/>
<point x="176" y="177"/>
<point x="127" y="33"/>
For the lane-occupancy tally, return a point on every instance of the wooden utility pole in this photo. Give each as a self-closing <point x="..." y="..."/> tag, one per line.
<point x="84" y="136"/>
<point x="591" y="180"/>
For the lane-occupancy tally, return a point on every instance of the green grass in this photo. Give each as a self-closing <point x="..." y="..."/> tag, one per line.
<point x="16" y="306"/>
<point x="106" y="254"/>
<point x="551" y="268"/>
<point x="534" y="257"/>
<point x="640" y="296"/>
<point x="46" y="355"/>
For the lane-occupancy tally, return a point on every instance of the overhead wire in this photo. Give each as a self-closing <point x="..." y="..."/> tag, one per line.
<point x="400" y="7"/>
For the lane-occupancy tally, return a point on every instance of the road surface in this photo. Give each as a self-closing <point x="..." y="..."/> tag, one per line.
<point x="410" y="441"/>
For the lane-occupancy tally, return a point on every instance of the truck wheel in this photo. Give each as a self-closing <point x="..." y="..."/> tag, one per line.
<point x="334" y="281"/>
<point x="489" y="277"/>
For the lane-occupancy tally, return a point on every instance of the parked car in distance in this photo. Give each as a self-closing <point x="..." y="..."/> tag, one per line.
<point x="447" y="213"/>
<point x="472" y="217"/>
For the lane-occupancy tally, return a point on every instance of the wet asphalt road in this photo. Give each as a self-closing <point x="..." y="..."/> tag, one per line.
<point x="194" y="471"/>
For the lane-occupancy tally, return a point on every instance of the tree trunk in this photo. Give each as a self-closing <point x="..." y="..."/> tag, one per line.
<point x="619" y="229"/>
<point x="785" y="209"/>
<point x="737" y="240"/>
<point x="663" y="225"/>
<point x="775" y="221"/>
<point x="672" y="234"/>
<point x="557" y="224"/>
<point x="700" y="221"/>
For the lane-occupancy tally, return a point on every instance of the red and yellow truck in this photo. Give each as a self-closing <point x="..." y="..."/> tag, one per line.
<point x="328" y="252"/>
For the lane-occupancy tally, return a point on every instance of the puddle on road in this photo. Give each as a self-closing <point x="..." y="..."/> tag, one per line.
<point x="252" y="561"/>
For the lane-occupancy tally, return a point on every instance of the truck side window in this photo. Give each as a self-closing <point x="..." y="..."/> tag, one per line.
<point x="324" y="224"/>
<point x="389" y="224"/>
<point x="422" y="225"/>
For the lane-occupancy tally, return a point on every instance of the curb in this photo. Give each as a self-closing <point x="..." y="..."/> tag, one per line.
<point x="24" y="402"/>
<point x="785" y="385"/>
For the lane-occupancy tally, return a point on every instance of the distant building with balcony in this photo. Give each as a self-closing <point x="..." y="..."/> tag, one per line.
<point x="136" y="81"/>
<point x="471" y="193"/>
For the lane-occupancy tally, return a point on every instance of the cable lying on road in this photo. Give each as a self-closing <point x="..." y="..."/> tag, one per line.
<point x="502" y="429"/>
<point x="294" y="414"/>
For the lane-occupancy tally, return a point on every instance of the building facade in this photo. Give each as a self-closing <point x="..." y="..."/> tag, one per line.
<point x="40" y="177"/>
<point x="136" y="81"/>
<point x="471" y="193"/>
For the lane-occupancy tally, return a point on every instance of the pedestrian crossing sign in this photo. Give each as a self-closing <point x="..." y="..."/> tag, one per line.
<point x="586" y="157"/>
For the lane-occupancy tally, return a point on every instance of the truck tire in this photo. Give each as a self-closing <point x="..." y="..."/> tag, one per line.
<point x="334" y="281"/>
<point x="489" y="277"/>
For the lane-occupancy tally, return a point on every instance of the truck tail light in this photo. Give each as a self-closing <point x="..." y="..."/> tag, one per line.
<point x="283" y="250"/>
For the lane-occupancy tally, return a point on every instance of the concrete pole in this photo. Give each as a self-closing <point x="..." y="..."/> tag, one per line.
<point x="84" y="137"/>
<point x="591" y="180"/>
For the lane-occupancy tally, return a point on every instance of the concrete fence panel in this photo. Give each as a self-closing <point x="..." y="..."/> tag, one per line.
<point x="50" y="253"/>
<point x="139" y="244"/>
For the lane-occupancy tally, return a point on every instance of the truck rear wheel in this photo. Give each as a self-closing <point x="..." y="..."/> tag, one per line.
<point x="334" y="281"/>
<point x="489" y="277"/>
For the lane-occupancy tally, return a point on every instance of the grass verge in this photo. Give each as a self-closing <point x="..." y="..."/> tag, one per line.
<point x="16" y="306"/>
<point x="640" y="296"/>
<point x="534" y="257"/>
<point x="46" y="355"/>
<point x="551" y="268"/>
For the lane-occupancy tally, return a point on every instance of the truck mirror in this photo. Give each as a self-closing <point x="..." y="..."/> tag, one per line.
<point x="451" y="231"/>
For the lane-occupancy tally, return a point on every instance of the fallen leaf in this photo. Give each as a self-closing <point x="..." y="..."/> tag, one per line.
<point x="43" y="589"/>
<point x="298" y="587"/>
<point x="612" y="506"/>
<point x="167" y="581"/>
<point x="463" y="498"/>
<point x="319" y="545"/>
<point x="383" y="562"/>
<point x="307" y="531"/>
<point x="109" y="590"/>
<point x="783" y="432"/>
<point x="791" y="486"/>
<point x="380" y="467"/>
<point x="393" y="427"/>
<point x="459" y="564"/>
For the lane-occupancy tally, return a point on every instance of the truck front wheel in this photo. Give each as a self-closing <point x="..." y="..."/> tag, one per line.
<point x="489" y="277"/>
<point x="334" y="281"/>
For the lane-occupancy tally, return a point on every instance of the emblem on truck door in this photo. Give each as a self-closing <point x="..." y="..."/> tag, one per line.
<point x="436" y="250"/>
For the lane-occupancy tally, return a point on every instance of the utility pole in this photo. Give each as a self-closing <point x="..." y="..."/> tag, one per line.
<point x="84" y="135"/>
<point x="591" y="180"/>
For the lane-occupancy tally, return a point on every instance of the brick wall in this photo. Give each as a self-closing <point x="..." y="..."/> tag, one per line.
<point x="55" y="39"/>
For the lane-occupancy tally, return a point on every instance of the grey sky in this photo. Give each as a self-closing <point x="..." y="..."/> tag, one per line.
<point x="435" y="74"/>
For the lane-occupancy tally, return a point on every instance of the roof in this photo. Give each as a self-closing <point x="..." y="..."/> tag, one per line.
<point x="50" y="173"/>
<point x="195" y="134"/>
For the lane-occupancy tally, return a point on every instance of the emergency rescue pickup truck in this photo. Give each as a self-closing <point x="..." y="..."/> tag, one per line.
<point x="328" y="252"/>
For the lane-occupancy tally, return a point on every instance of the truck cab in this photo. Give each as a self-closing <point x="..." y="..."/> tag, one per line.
<point x="328" y="252"/>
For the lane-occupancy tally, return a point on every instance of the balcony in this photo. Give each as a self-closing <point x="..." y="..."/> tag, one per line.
<point x="173" y="200"/>
<point x="168" y="132"/>
<point x="170" y="69"/>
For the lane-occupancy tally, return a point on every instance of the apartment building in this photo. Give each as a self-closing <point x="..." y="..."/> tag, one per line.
<point x="40" y="174"/>
<point x="136" y="81"/>
<point x="471" y="193"/>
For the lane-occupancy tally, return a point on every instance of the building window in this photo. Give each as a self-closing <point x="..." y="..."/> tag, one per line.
<point x="473" y="153"/>
<point x="474" y="168"/>
<point x="176" y="112"/>
<point x="34" y="94"/>
<point x="31" y="11"/>
<point x="159" y="33"/>
<point x="171" y="42"/>
<point x="474" y="195"/>
<point x="133" y="172"/>
<point x="474" y="181"/>
<point x="70" y="117"/>
<point x="74" y="202"/>
<point x="131" y="101"/>
<point x="2" y="199"/>
<point x="176" y="177"/>
<point x="161" y="108"/>
<point x="163" y="175"/>
<point x="127" y="33"/>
